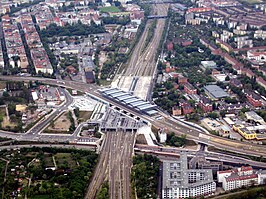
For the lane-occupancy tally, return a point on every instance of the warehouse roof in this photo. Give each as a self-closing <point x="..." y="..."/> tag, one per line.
<point x="215" y="91"/>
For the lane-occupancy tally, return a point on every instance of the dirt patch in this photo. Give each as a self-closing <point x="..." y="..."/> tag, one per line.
<point x="7" y="123"/>
<point x="84" y="115"/>
<point x="62" y="124"/>
<point x="141" y="139"/>
<point x="2" y="85"/>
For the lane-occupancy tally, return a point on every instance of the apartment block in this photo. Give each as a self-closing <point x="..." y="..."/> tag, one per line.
<point x="237" y="178"/>
<point x="39" y="56"/>
<point x="15" y="48"/>
<point x="181" y="182"/>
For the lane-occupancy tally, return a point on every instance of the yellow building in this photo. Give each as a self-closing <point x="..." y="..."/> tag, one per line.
<point x="247" y="134"/>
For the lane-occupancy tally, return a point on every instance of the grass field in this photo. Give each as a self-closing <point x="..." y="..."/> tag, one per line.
<point x="5" y="121"/>
<point x="2" y="112"/>
<point x="110" y="9"/>
<point x="64" y="158"/>
<point x="48" y="161"/>
<point x="84" y="115"/>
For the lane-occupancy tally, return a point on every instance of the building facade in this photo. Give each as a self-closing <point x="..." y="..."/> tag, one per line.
<point x="181" y="182"/>
<point x="237" y="178"/>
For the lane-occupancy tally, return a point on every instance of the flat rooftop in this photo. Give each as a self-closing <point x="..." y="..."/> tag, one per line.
<point x="129" y="100"/>
<point x="215" y="91"/>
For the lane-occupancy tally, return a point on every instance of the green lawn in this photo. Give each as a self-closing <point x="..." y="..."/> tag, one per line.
<point x="84" y="115"/>
<point x="110" y="9"/>
<point x="48" y="160"/>
<point x="65" y="159"/>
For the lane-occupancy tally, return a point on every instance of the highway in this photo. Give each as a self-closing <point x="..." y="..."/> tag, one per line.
<point x="166" y="152"/>
<point x="167" y="122"/>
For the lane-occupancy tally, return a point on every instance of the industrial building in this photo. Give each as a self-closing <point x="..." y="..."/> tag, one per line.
<point x="181" y="182"/>
<point x="215" y="92"/>
<point x="129" y="100"/>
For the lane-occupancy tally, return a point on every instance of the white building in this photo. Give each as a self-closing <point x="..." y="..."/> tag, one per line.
<point x="181" y="182"/>
<point x="163" y="137"/>
<point x="261" y="176"/>
<point x="259" y="56"/>
<point x="237" y="178"/>
<point x="260" y="34"/>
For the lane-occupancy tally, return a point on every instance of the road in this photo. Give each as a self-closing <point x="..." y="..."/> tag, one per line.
<point x="167" y="122"/>
<point x="41" y="125"/>
<point x="19" y="146"/>
<point x="81" y="61"/>
<point x="168" y="152"/>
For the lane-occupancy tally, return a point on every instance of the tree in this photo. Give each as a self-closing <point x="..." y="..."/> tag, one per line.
<point x="76" y="111"/>
<point x="227" y="78"/>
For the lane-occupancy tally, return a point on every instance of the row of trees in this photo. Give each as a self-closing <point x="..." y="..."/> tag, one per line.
<point x="77" y="29"/>
<point x="72" y="126"/>
<point x="116" y="20"/>
<point x="144" y="176"/>
<point x="103" y="193"/>
<point x="176" y="141"/>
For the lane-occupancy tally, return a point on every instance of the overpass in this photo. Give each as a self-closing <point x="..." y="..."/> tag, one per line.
<point x="168" y="123"/>
<point x="173" y="152"/>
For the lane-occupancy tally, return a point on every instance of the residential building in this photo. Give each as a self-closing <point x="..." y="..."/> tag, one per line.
<point x="260" y="34"/>
<point x="176" y="110"/>
<point x="259" y="56"/>
<point x="236" y="82"/>
<point x="186" y="108"/>
<point x="205" y="104"/>
<point x="181" y="182"/>
<point x="189" y="89"/>
<point x="89" y="77"/>
<point x="182" y="79"/>
<point x="224" y="45"/>
<point x="2" y="63"/>
<point x="237" y="178"/>
<point x="15" y="48"/>
<point x="39" y="56"/>
<point x="254" y="99"/>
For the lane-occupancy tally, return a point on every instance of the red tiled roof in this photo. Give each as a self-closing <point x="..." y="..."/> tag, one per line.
<point x="245" y="177"/>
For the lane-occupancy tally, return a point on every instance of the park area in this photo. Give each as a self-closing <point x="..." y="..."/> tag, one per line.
<point x="110" y="9"/>
<point x="46" y="173"/>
